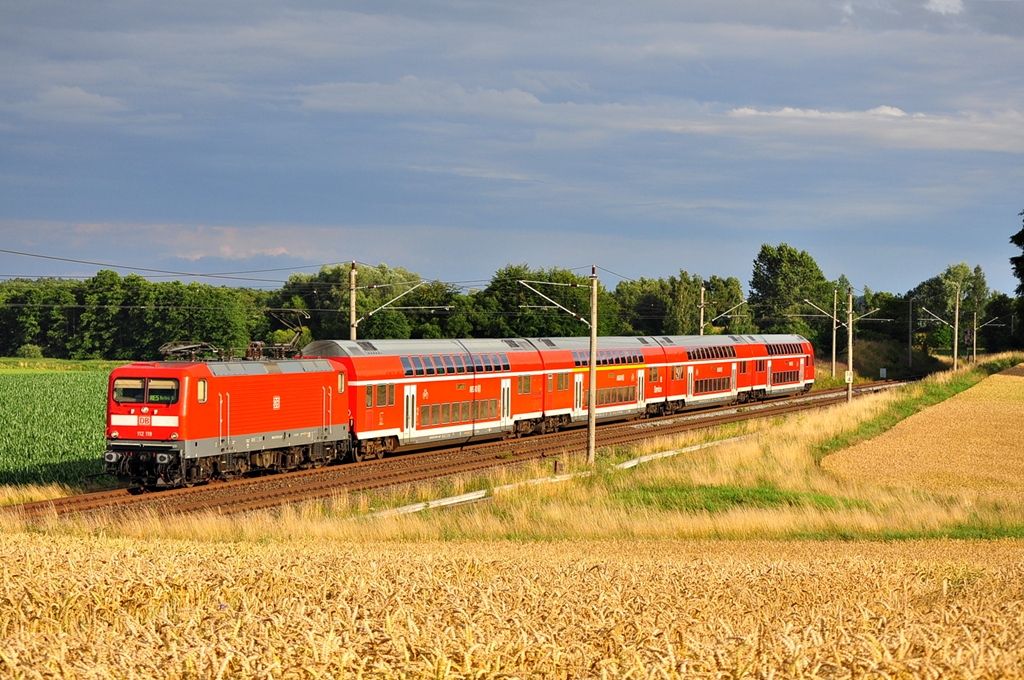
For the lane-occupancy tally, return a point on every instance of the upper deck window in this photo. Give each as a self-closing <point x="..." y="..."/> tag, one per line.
<point x="143" y="390"/>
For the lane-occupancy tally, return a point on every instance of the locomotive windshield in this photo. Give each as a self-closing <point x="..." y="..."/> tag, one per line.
<point x="148" y="391"/>
<point x="129" y="390"/>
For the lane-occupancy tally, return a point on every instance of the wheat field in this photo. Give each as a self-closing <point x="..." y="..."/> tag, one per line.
<point x="94" y="607"/>
<point x="968" y="445"/>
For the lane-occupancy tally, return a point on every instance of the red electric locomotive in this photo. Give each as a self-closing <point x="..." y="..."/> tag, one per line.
<point x="178" y="423"/>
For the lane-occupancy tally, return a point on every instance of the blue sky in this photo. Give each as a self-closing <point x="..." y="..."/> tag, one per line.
<point x="452" y="138"/>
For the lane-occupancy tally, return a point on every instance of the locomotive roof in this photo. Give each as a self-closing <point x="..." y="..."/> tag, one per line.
<point x="359" y="348"/>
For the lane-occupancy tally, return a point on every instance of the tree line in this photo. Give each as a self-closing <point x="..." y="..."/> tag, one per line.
<point x="113" y="317"/>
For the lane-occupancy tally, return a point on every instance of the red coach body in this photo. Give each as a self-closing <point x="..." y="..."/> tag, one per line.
<point x="175" y="423"/>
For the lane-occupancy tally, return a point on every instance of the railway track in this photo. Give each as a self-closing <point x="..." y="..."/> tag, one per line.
<point x="258" y="493"/>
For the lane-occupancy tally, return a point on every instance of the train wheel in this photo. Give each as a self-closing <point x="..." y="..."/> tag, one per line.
<point x="357" y="454"/>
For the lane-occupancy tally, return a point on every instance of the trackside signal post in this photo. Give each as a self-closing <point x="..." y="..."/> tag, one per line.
<point x="591" y="359"/>
<point x="592" y="388"/>
<point x="352" y="323"/>
<point x="849" y="344"/>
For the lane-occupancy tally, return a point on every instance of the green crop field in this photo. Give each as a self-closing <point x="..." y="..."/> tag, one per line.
<point x="51" y="425"/>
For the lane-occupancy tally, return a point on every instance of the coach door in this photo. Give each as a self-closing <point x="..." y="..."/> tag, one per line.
<point x="409" y="424"/>
<point x="801" y="370"/>
<point x="640" y="387"/>
<point x="577" y="403"/>
<point x="734" y="385"/>
<point x="768" y="377"/>
<point x="689" y="382"/>
<point x="506" y="403"/>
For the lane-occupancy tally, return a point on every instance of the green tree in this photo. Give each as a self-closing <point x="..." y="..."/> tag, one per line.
<point x="1017" y="261"/>
<point x="782" y="279"/>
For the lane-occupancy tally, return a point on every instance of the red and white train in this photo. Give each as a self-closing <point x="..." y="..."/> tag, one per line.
<point x="178" y="423"/>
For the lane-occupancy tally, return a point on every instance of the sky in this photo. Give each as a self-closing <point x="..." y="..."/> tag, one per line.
<point x="886" y="138"/>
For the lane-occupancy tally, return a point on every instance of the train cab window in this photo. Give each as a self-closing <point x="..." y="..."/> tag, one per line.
<point x="418" y="364"/>
<point x="382" y="395"/>
<point x="406" y="366"/>
<point x="162" y="391"/>
<point x="201" y="388"/>
<point x="505" y="365"/>
<point x="459" y="366"/>
<point x="439" y="364"/>
<point x="369" y="396"/>
<point x="129" y="390"/>
<point x="391" y="394"/>
<point x="341" y="385"/>
<point x="428" y="364"/>
<point x="449" y="365"/>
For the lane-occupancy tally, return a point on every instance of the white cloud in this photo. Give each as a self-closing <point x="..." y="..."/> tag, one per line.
<point x="945" y="6"/>
<point x="892" y="127"/>
<point x="61" y="103"/>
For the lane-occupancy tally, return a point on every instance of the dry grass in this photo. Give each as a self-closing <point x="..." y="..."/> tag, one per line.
<point x="780" y="493"/>
<point x="98" y="607"/>
<point x="968" y="445"/>
<point x="319" y="591"/>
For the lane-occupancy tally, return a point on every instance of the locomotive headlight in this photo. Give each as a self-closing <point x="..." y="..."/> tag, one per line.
<point x="163" y="458"/>
<point x="113" y="434"/>
<point x="174" y="436"/>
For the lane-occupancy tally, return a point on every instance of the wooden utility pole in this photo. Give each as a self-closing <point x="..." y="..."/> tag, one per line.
<point x="849" y="344"/>
<point x="592" y="387"/>
<point x="352" y="302"/>
<point x="702" y="308"/>
<point x="835" y="325"/>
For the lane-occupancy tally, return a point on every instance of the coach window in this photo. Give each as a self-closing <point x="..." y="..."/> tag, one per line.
<point x="382" y="395"/>
<point x="743" y="367"/>
<point x="527" y="388"/>
<point x="424" y="415"/>
<point x="439" y="364"/>
<point x="418" y="364"/>
<point x="505" y="365"/>
<point x="369" y="396"/>
<point x="446" y="410"/>
<point x="487" y="363"/>
<point x="494" y="408"/>
<point x="496" y="362"/>
<point x="391" y="394"/>
<point x="478" y="363"/>
<point x="448" y="364"/>
<point x="201" y="389"/>
<point x="406" y="365"/>
<point x="428" y="363"/>
<point x="341" y="383"/>
<point x="459" y="366"/>
<point x="551" y="382"/>
<point x="162" y="391"/>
